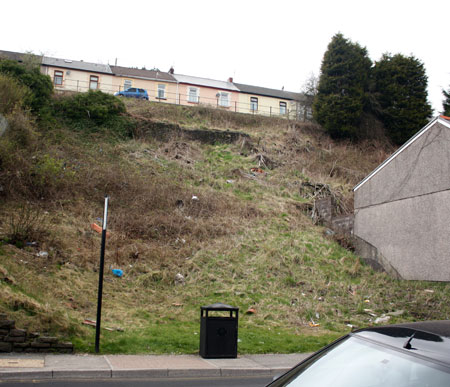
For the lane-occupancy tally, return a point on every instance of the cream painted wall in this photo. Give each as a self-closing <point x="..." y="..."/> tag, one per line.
<point x="207" y="96"/>
<point x="76" y="80"/>
<point x="266" y="105"/>
<point x="150" y="85"/>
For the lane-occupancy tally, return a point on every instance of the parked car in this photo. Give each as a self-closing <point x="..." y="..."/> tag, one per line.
<point x="133" y="92"/>
<point x="404" y="355"/>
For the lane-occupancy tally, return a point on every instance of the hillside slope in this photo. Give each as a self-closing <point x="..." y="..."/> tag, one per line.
<point x="184" y="207"/>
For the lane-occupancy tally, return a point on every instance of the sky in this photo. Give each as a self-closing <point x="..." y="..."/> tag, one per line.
<point x="272" y="44"/>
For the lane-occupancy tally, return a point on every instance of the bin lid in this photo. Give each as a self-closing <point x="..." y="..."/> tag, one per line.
<point x="219" y="306"/>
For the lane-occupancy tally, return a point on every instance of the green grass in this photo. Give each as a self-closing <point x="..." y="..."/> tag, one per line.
<point x="168" y="336"/>
<point x="246" y="242"/>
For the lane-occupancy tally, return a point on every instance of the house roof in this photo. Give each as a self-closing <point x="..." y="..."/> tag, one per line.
<point x="16" y="56"/>
<point x="264" y="91"/>
<point x="197" y="81"/>
<point x="440" y="119"/>
<point x="76" y="65"/>
<point x="142" y="73"/>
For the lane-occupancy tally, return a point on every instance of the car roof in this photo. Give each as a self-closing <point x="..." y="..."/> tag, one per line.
<point x="427" y="338"/>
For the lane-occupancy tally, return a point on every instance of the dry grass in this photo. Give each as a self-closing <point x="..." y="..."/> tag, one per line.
<point x="183" y="207"/>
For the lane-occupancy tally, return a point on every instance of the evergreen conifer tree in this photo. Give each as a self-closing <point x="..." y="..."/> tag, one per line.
<point x="400" y="88"/>
<point x="446" y="103"/>
<point x="343" y="85"/>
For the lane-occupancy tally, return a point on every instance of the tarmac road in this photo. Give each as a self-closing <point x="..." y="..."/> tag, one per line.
<point x="182" y="382"/>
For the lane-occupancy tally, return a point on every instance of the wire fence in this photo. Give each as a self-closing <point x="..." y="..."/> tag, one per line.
<point x="294" y="110"/>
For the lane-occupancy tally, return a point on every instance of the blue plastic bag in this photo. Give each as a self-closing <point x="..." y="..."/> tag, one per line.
<point x="117" y="272"/>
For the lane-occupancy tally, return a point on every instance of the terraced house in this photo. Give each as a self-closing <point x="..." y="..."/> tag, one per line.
<point x="168" y="87"/>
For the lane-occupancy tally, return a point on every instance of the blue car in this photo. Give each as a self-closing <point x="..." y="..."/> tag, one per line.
<point x="133" y="92"/>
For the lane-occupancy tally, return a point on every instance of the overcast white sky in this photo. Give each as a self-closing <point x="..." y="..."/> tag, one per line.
<point x="263" y="43"/>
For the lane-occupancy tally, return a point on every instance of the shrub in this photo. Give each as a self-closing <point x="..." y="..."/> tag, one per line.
<point x="25" y="224"/>
<point x="40" y="85"/>
<point x="12" y="94"/>
<point x="94" y="111"/>
<point x="93" y="106"/>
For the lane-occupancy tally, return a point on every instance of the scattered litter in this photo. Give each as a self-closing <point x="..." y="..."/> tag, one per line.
<point x="312" y="324"/>
<point x="42" y="254"/>
<point x="239" y="340"/>
<point x="329" y="232"/>
<point x="320" y="298"/>
<point x="180" y="240"/>
<point x="32" y="244"/>
<point x="97" y="228"/>
<point x="177" y="304"/>
<point x="382" y="319"/>
<point x="250" y="311"/>
<point x="256" y="170"/>
<point x="428" y="291"/>
<point x="367" y="301"/>
<point x="93" y="323"/>
<point x="317" y="315"/>
<point x="117" y="272"/>
<point x="179" y="279"/>
<point x="230" y="181"/>
<point x="194" y="198"/>
<point x="195" y="333"/>
<point x="396" y="313"/>
<point x="350" y="325"/>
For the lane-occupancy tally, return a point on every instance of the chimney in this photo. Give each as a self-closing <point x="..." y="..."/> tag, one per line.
<point x="230" y="80"/>
<point x="171" y="70"/>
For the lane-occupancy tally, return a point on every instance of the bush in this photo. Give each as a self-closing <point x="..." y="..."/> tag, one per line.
<point x="12" y="94"/>
<point x="25" y="224"/>
<point x="40" y="85"/>
<point x="93" y="111"/>
<point x="93" y="106"/>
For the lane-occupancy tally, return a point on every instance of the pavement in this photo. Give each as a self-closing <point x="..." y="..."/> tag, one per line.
<point x="36" y="366"/>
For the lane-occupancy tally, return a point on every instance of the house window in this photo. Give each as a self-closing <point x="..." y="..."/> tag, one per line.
<point x="253" y="104"/>
<point x="127" y="83"/>
<point x="224" y="99"/>
<point x="193" y="95"/>
<point x="162" y="91"/>
<point x="93" y="82"/>
<point x="282" y="108"/>
<point x="58" y="78"/>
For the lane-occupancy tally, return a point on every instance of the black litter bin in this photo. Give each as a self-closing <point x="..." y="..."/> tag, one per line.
<point x="218" y="333"/>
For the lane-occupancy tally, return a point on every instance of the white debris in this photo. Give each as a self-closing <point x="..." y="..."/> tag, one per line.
<point x="179" y="279"/>
<point x="382" y="319"/>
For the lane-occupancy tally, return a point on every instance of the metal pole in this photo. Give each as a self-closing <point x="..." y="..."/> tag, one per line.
<point x="100" y="279"/>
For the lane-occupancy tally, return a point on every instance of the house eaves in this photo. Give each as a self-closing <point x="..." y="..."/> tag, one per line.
<point x="266" y="92"/>
<point x="76" y="65"/>
<point x="205" y="82"/>
<point x="16" y="56"/>
<point x="440" y="119"/>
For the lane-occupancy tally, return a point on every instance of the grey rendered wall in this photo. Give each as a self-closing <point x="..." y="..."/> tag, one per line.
<point x="402" y="213"/>
<point x="412" y="234"/>
<point x="422" y="168"/>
